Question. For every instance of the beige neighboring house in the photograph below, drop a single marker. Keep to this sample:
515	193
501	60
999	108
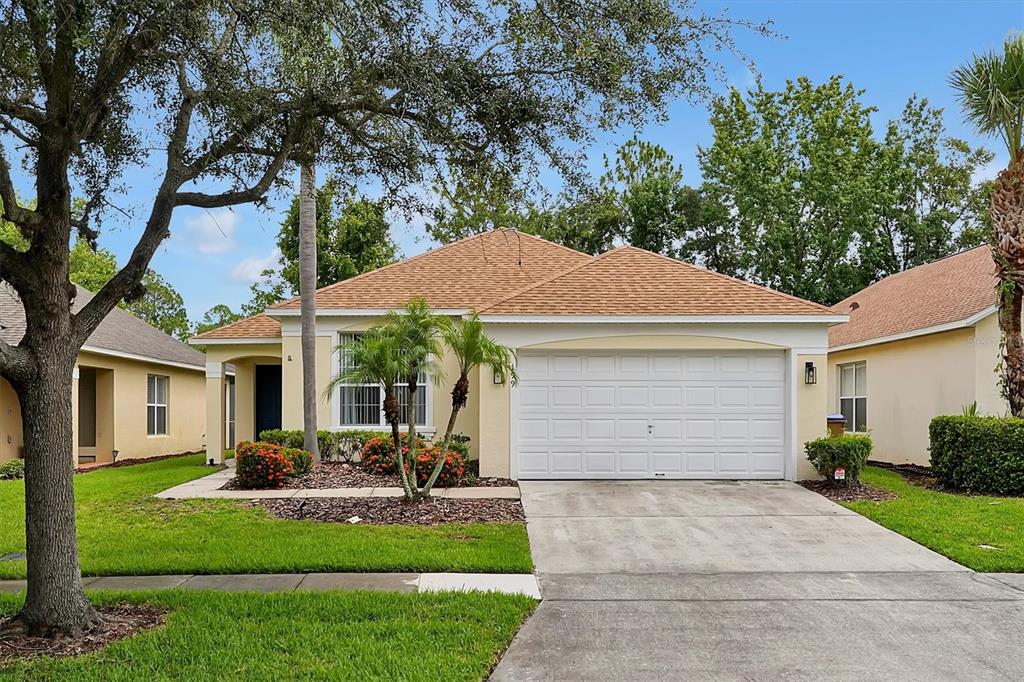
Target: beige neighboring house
631	364
137	392
920	343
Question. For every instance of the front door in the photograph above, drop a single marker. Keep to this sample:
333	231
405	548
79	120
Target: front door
267	391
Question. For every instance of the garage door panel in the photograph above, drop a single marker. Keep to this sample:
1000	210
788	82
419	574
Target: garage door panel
703	414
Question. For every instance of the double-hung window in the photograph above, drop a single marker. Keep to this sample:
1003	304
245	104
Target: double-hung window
363	404
853	395
156	405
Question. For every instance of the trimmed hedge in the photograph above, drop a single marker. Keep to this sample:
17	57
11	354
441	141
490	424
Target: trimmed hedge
847	451
261	465
12	470
980	454
340	446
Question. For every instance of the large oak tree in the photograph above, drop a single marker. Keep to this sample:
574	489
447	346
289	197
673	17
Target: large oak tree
196	94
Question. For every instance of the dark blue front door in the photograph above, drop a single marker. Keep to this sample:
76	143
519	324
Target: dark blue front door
267	391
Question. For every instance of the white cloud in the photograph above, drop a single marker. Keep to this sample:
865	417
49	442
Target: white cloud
213	232
250	269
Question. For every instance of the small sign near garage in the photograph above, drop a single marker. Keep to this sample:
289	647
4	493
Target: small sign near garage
840	474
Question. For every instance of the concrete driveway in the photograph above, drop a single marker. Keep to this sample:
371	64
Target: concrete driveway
747	581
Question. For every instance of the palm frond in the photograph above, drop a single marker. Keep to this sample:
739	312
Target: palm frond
990	89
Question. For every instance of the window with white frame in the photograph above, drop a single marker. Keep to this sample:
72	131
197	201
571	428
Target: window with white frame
853	395
156	405
363	404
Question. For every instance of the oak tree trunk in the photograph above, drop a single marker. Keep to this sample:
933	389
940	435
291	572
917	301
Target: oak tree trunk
307	293
55	603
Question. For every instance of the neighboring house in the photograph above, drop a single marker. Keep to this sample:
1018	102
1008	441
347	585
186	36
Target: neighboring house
136	391
920	343
631	364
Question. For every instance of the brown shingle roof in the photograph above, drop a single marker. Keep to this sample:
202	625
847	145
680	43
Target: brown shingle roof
470	273
631	281
941	292
256	327
119	332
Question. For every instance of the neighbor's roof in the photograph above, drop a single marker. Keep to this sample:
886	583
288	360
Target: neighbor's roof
945	291
632	281
119	333
256	327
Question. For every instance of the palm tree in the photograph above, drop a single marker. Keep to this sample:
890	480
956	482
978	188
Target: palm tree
472	348
990	88
418	329
307	294
376	357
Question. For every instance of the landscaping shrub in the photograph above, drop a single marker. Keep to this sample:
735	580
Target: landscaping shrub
342	446
980	454
847	451
13	469
379	457
301	460
261	465
451	472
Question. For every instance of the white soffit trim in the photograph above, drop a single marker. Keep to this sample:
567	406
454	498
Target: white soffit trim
141	358
923	331
667	319
235	341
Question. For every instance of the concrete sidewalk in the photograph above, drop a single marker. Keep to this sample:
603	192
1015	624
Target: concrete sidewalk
510	583
208	487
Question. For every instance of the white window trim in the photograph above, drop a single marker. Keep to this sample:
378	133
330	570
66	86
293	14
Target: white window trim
166	405
851	428
427	394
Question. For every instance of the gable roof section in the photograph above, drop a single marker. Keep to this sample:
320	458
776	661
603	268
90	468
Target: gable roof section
470	273
628	281
120	333
259	326
943	292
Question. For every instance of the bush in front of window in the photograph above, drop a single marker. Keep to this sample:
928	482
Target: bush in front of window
979	454
302	461
379	456
12	470
335	446
452	471
261	465
848	451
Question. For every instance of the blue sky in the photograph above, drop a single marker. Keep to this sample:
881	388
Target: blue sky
889	49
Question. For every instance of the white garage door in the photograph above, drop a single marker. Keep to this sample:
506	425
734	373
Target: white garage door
658	414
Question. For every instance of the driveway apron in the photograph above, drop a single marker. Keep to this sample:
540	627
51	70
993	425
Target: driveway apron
746	581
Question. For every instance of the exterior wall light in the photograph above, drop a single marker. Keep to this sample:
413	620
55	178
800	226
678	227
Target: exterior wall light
810	373
498	379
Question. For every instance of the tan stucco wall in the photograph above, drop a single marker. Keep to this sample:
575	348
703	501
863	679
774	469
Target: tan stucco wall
986	367
126	426
10	422
910	382
121	410
811	410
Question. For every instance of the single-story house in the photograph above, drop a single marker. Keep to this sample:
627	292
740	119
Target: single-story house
631	364
137	392
918	344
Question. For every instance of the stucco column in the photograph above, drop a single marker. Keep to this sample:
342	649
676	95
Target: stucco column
215	412
291	383
74	416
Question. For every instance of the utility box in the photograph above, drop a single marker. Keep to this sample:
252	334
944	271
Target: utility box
836	425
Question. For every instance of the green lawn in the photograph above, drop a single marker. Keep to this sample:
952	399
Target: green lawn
332	635
953	525
123	530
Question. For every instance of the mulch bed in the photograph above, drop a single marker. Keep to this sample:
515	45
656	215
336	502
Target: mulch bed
345	475
394	510
118	622
848	493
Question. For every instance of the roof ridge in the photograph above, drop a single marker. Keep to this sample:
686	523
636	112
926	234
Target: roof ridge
737	280
430	252
542	282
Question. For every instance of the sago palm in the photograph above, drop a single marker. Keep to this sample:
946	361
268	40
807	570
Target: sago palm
377	357
472	348
990	88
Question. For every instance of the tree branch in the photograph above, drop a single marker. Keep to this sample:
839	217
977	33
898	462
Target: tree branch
15	362
242	196
22	217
